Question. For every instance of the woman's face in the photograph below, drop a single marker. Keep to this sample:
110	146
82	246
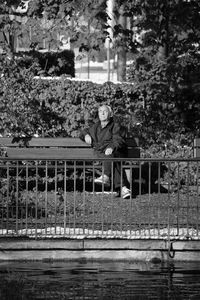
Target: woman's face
104	113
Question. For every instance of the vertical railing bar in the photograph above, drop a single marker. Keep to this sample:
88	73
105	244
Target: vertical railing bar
17	195
74	208
55	197
188	198
65	197
106	211
84	179
26	197
112	196
47	215
102	202
121	199
149	202
169	201
2	206
140	193
197	201
20	208
36	199
159	197
46	196
131	198
30	217
8	187
93	197
140	179
105	215
178	202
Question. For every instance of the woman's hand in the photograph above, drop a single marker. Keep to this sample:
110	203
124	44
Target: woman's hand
108	151
88	139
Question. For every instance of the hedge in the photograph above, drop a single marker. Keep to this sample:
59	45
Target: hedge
63	107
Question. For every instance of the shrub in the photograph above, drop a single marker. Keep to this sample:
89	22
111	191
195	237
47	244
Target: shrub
150	108
55	107
170	93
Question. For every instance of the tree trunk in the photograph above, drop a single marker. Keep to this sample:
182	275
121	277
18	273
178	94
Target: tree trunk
121	52
163	50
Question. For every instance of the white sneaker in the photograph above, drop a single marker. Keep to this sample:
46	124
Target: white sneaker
125	192
103	179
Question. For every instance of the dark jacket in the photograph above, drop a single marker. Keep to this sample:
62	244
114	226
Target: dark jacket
111	136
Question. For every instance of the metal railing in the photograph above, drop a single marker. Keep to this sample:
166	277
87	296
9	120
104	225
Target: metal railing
53	198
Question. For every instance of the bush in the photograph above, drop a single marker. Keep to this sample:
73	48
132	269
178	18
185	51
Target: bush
170	93
55	107
151	108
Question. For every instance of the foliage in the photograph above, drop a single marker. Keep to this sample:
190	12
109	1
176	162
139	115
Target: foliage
169	90
49	63
170	93
53	107
155	112
166	27
82	21
162	28
70	19
16	90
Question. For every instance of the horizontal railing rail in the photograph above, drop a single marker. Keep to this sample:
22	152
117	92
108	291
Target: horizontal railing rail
58	198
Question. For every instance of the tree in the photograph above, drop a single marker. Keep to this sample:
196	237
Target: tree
166	65
121	46
47	19
85	22
169	27
165	28
9	25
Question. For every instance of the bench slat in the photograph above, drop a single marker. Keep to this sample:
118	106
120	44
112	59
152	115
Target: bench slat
59	153
7	142
58	148
46	142
65	142
49	153
57	142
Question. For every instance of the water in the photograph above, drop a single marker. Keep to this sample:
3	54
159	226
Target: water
98	280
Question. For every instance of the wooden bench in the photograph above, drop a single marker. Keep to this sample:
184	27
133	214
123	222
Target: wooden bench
26	148
196	147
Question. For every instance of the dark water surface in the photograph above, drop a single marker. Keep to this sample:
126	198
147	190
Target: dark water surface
98	280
